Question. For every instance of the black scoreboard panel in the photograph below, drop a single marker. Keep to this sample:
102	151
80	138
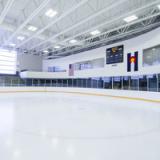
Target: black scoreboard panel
114	54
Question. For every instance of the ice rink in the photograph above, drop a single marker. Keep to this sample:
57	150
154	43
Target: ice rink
56	126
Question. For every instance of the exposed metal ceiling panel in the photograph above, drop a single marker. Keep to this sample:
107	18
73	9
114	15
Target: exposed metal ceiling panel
74	20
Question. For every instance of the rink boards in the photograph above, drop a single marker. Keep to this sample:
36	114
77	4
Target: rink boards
119	94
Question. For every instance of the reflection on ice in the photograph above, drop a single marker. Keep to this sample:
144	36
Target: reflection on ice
6	117
67	126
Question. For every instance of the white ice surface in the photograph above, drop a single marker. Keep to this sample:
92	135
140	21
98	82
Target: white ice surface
56	126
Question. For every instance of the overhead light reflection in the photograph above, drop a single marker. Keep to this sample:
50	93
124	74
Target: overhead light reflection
6	117
55	142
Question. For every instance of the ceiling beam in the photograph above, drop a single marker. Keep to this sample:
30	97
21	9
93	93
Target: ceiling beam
55	21
129	24
11	28
81	22
34	14
112	21
6	10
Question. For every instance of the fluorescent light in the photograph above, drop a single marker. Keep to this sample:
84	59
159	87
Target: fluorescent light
45	51
130	18
50	13
57	47
21	38
73	41
153	49
158	6
32	28
12	44
95	32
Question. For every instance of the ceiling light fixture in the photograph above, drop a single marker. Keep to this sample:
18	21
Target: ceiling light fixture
130	18
73	41
93	33
12	44
57	47
32	28
158	6
51	13
21	38
45	51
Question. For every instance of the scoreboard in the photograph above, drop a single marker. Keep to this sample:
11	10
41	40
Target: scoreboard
114	55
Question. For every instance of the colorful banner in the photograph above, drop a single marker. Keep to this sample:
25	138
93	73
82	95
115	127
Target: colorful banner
132	62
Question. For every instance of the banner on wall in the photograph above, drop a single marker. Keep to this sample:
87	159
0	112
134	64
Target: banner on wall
132	61
71	69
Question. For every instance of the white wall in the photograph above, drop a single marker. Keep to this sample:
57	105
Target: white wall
43	75
98	63
29	62
136	44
